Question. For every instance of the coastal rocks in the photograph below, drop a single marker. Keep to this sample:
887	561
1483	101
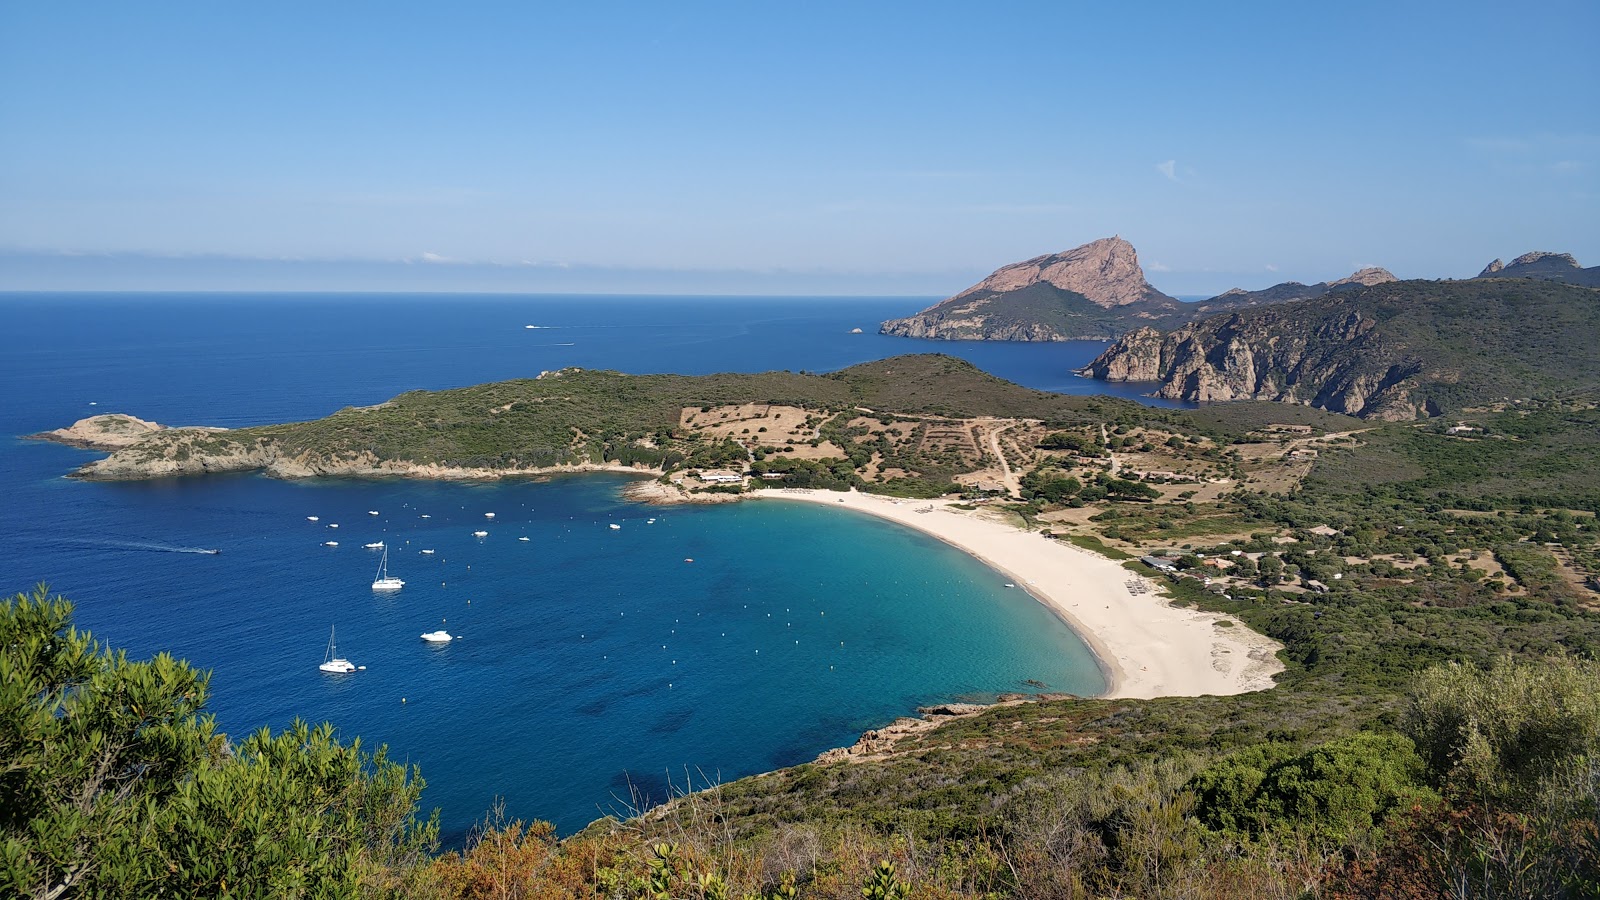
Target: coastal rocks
1494	266
1093	291
112	431
881	742
657	493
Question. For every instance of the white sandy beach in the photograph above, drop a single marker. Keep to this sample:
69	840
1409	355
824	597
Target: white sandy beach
1147	647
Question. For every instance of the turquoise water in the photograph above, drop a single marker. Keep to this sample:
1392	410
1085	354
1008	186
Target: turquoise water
593	665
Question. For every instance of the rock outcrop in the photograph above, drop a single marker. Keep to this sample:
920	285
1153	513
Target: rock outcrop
111	431
1092	292
1545	266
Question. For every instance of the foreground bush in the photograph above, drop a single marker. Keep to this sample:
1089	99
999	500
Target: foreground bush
115	784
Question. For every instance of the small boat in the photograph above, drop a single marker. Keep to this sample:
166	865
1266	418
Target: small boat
523	538
372	512
333	524
427	553
480	534
488	515
312	518
330	543
615	527
384	581
375	545
426	516
649	521
332	663
438	637
211	552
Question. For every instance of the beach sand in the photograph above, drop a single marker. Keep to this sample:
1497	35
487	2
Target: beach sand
1146	647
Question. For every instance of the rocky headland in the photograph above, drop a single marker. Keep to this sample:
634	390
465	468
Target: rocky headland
1092	292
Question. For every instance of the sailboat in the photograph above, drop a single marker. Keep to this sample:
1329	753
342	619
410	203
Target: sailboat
384	581
331	662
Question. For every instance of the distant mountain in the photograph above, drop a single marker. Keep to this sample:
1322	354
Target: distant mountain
1545	266
1396	350
1094	292
1239	298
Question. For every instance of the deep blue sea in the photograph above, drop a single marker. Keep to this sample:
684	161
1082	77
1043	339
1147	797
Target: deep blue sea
593	665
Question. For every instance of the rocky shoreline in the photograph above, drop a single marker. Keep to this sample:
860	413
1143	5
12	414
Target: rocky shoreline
881	743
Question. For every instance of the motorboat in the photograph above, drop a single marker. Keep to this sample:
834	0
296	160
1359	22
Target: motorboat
330	543
375	545
480	534
437	637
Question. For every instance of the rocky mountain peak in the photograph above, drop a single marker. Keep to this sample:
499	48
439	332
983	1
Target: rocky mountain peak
1369	276
1495	266
1106	272
1538	256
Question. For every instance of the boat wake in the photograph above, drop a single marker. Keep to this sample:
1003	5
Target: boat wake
147	547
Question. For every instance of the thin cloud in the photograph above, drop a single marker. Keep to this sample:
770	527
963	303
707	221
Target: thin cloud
1271	268
1158	267
1169	169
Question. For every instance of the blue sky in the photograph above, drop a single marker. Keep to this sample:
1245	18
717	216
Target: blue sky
784	148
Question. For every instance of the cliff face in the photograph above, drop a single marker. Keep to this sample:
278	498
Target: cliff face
1091	292
1391	351
1338	364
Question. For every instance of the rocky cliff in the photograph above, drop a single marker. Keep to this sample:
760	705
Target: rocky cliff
1091	292
1390	351
1546	266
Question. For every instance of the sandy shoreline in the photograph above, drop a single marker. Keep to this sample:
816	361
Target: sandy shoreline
1146	647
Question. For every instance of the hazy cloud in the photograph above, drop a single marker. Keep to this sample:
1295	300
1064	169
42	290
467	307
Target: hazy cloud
1271	267
1158	266
1169	169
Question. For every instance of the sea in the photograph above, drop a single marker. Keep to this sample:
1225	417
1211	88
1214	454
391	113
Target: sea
596	669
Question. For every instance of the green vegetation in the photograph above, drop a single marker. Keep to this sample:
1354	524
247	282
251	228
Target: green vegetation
115	784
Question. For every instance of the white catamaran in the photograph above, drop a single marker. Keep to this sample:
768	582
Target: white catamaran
332	663
384	581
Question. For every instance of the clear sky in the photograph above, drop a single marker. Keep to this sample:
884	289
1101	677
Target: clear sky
785	148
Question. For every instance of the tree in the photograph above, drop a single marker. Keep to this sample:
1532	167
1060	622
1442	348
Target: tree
115	783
